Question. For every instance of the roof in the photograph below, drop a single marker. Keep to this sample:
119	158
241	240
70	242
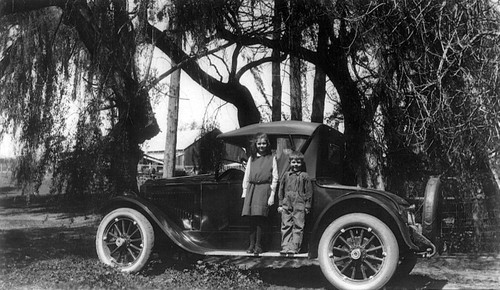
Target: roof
184	139
242	135
152	159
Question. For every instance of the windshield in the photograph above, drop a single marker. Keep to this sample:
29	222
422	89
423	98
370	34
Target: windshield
285	145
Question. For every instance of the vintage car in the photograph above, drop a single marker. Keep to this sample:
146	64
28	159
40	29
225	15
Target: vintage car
361	237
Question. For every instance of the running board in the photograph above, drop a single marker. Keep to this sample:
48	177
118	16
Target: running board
245	254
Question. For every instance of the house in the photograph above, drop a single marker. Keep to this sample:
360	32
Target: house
152	162
189	154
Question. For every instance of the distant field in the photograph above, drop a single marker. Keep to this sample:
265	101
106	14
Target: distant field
8	186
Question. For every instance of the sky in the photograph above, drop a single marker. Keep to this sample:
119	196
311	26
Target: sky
6	147
195	105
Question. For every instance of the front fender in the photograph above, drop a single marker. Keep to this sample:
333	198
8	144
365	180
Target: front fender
166	224
388	212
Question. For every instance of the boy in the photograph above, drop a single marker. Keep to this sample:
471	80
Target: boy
295	193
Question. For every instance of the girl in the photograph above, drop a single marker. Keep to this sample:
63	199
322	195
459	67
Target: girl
259	186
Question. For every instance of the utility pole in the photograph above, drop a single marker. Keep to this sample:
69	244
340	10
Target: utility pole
172	120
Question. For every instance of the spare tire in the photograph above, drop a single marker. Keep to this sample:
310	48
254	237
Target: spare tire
431	224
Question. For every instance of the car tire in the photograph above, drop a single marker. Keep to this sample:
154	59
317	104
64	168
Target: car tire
358	251
430	221
125	240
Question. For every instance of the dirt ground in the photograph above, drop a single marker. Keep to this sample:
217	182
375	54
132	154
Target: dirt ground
31	233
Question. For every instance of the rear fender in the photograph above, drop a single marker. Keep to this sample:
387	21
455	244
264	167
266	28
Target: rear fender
154	214
351	204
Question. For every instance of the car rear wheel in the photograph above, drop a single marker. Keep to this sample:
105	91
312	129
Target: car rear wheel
125	239
358	251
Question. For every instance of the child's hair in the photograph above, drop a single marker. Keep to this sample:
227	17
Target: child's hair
256	138
295	155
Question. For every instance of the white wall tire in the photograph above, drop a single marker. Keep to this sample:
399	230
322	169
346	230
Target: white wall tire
125	240
358	251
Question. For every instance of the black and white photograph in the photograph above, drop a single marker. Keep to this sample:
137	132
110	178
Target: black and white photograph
250	144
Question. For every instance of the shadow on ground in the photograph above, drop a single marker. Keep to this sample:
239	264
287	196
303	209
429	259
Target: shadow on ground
22	247
42	232
32	245
303	273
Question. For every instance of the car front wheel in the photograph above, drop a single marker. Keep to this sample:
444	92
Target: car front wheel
358	251
125	239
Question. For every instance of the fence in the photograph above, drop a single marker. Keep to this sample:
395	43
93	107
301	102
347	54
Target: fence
470	225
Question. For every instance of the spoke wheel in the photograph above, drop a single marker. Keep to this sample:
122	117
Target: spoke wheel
358	251
125	239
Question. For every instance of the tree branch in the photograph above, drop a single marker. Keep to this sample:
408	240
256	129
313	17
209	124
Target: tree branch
282	44
257	63
232	92
8	7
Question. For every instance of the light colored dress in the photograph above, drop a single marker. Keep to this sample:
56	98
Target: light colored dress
261	178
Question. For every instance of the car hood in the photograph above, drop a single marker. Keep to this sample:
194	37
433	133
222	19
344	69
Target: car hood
181	179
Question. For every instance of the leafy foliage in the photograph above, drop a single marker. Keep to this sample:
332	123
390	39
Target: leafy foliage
34	90
429	66
54	70
211	149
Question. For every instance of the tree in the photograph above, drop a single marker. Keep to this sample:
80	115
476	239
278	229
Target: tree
436	83
279	6
107	38
400	69
431	85
104	33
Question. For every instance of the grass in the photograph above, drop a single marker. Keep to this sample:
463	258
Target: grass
64	258
44	245
48	245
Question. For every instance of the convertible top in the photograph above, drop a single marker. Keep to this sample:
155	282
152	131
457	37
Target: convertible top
242	135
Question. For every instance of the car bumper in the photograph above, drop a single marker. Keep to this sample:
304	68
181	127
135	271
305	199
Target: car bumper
426	248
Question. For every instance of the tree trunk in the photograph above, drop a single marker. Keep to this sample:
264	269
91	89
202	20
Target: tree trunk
276	84
136	121
295	89
276	65
494	169
125	154
318	103
295	65
355	132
